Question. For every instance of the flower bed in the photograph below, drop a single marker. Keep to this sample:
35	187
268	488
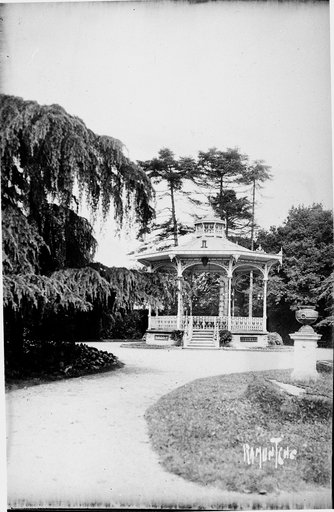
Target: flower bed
49	360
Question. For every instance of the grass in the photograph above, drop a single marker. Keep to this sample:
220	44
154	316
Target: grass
199	431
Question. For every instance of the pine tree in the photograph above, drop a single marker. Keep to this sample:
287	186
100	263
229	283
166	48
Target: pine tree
173	172
219	174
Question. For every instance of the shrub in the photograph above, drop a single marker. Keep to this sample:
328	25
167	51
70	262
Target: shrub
225	337
177	336
57	359
274	338
131	325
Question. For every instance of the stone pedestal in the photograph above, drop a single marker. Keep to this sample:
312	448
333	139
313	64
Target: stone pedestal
305	344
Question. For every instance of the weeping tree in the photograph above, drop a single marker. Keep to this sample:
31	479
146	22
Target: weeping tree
50	163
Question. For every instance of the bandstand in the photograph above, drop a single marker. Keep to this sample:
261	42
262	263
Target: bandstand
209	250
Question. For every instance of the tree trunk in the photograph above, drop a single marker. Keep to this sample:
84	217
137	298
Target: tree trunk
221	209
253	217
221	205
174	216
250	298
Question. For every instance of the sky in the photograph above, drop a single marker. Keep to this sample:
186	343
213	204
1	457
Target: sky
253	75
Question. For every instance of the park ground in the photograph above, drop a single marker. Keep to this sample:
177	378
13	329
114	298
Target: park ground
84	441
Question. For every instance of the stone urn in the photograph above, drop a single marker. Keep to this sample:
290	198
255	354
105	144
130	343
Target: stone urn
305	344
306	315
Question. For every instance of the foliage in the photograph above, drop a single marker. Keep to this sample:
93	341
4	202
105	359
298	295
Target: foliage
51	360
225	337
255	176
177	335
92	302
45	153
21	243
221	167
235	210
174	172
51	162
130	325
305	276
202	293
219	171
274	338
327	295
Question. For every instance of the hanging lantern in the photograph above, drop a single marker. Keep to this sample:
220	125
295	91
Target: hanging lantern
205	260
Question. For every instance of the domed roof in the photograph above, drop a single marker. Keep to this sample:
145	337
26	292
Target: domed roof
209	240
209	219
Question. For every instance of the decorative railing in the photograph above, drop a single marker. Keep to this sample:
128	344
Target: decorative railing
238	323
209	322
244	323
161	323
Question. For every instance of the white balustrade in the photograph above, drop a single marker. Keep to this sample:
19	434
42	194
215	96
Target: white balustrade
209	322
161	323
244	323
238	323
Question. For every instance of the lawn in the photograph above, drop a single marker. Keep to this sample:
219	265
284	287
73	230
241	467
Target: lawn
208	431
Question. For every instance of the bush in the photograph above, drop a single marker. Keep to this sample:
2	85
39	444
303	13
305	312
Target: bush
225	337
177	336
274	338
51	359
131	325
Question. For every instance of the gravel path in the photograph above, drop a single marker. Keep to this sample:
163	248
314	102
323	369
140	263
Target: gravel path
84	440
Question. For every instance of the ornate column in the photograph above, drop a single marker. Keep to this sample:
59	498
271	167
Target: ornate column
150	270
250	295
264	307
229	290
223	307
264	313
149	316
179	295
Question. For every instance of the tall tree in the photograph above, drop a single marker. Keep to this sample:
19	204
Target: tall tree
50	161
46	153
235	210
305	276
255	175
218	171
174	172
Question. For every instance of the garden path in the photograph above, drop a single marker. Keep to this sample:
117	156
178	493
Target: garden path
84	440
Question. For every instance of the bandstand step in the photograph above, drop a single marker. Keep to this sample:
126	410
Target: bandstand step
202	339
